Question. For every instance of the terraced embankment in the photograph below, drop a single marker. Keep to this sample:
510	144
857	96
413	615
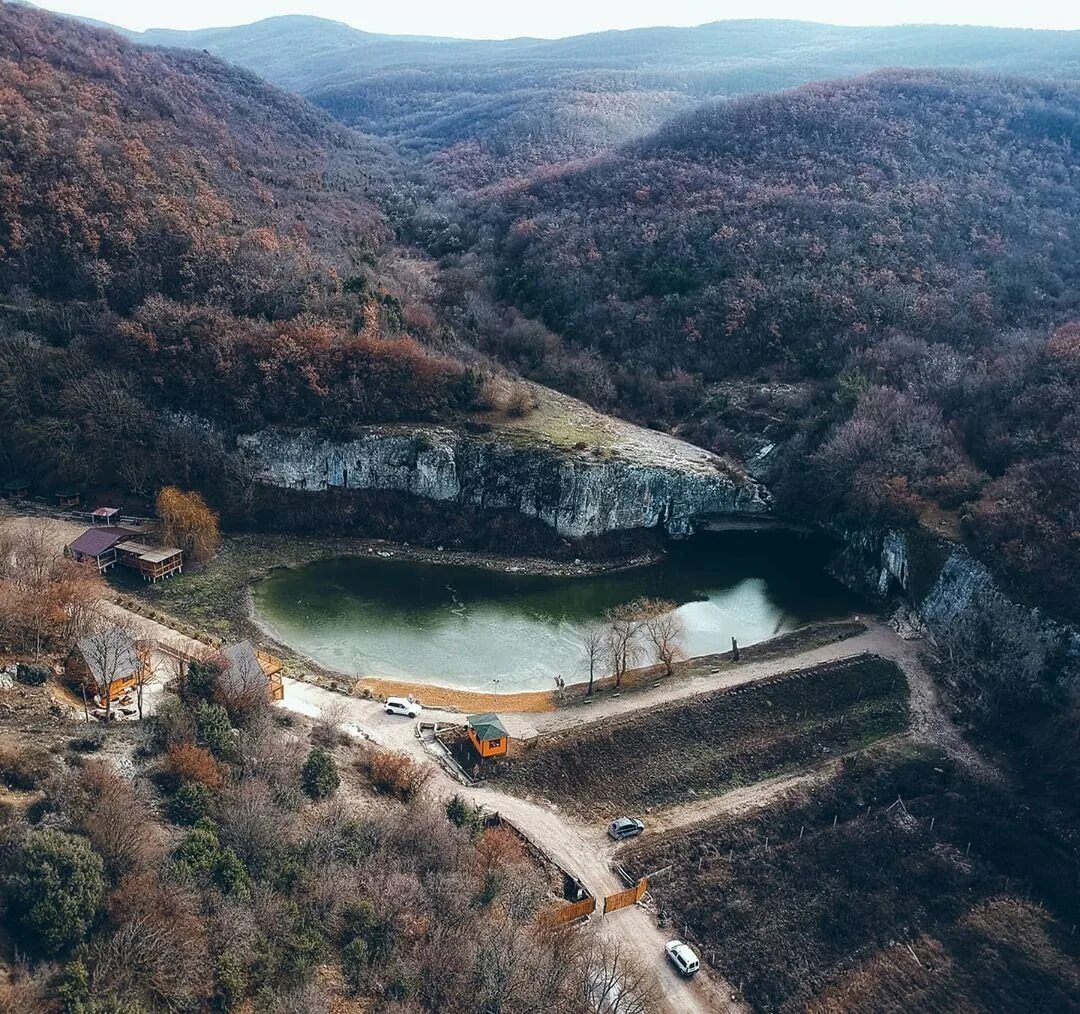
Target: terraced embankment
704	745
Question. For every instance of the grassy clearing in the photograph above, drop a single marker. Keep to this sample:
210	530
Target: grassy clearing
214	598
813	903
714	742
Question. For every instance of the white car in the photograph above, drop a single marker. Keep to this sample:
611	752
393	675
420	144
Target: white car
402	706
682	957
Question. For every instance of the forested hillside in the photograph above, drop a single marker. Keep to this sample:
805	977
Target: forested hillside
873	249
177	236
488	110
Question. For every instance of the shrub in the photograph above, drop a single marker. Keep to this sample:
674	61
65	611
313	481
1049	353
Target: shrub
201	856
191	803
230	981
319	774
189	762
214	730
393	773
202	681
53	891
457	810
354	965
89	742
31	675
107	808
170	725
23	768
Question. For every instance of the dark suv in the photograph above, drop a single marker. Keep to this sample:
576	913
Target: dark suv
625	827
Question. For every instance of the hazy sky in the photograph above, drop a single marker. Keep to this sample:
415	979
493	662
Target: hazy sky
553	18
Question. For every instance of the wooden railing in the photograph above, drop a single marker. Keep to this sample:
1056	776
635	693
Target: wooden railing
270	663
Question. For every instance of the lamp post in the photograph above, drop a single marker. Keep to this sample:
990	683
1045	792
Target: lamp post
496	682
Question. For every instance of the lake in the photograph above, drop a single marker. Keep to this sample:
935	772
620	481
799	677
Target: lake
487	630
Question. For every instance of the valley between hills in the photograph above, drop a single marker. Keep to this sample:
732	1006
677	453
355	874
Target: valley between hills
418	454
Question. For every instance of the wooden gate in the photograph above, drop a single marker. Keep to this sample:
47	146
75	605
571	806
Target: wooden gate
568	913
631	896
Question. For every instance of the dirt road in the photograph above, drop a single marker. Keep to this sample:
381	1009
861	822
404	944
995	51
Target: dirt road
878	640
583	848
580	848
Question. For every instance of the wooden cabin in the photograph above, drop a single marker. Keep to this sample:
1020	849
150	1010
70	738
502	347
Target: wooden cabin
246	669
154	562
104	546
69	498
488	735
96	547
16	489
110	662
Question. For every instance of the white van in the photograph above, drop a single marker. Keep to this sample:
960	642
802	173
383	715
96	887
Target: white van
402	706
682	957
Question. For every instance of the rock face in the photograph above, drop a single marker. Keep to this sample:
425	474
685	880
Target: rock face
574	492
953	594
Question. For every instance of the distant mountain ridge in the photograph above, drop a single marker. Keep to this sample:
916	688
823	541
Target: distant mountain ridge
481	111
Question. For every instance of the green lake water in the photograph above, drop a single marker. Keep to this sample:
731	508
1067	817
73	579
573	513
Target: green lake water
468	627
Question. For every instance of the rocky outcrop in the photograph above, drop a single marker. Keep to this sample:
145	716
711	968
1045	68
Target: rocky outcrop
953	594
577	493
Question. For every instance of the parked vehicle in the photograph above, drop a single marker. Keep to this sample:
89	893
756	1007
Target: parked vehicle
402	706
682	956
625	827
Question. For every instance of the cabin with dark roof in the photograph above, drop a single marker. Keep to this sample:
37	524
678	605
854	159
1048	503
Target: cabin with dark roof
246	669
110	663
96	547
104	546
16	489
488	735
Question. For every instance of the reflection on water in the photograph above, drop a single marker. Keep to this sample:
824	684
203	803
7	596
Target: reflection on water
467	627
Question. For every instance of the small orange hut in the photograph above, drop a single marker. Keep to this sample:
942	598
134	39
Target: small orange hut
488	735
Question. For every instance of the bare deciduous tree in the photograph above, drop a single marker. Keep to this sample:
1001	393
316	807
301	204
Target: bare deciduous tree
611	981
623	647
111	653
664	630
592	651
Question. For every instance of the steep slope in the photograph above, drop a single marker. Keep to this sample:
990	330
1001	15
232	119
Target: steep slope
869	247
189	256
178	237
487	110
786	226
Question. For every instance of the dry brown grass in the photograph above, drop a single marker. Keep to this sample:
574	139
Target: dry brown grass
22	767
1000	955
432	696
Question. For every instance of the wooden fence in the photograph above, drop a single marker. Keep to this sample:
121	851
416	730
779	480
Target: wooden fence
569	912
631	896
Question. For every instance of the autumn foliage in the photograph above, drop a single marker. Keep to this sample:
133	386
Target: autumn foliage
180	240
188	523
47	602
189	762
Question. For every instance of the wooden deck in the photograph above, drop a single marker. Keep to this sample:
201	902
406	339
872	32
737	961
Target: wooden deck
272	666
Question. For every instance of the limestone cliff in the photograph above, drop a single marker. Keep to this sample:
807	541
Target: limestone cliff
645	481
952	593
